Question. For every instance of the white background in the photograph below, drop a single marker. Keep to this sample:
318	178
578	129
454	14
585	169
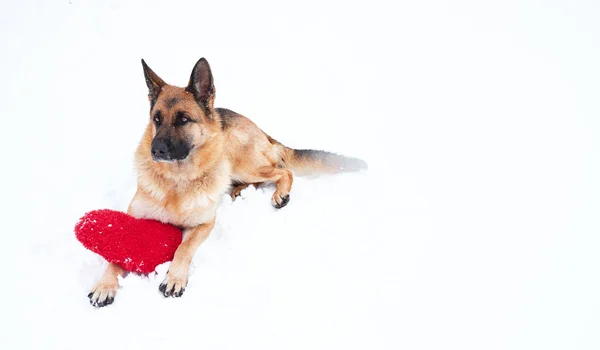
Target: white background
475	227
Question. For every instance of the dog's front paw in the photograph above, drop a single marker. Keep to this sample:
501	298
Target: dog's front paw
174	284
103	293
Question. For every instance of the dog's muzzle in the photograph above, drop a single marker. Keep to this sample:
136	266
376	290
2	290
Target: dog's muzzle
165	150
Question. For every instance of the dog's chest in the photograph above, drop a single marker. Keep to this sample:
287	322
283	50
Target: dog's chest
177	208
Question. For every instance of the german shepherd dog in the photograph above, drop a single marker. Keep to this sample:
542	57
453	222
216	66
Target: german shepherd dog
190	155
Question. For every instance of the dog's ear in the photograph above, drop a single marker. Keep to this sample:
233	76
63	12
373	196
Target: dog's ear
154	82
201	83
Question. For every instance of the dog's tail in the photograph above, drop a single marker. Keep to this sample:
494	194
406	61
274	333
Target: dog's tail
310	161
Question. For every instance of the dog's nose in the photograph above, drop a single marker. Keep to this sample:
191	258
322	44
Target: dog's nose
161	148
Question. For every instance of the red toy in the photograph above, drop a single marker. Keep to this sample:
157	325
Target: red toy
137	245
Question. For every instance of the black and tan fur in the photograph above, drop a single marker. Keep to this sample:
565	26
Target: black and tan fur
190	155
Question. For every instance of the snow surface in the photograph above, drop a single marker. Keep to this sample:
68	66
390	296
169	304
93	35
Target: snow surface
476	226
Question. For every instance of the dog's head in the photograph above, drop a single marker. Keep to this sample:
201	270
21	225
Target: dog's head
183	119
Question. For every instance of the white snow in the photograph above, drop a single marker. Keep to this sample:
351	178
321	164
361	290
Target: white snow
476	226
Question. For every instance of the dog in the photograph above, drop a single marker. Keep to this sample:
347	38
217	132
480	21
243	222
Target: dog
192	153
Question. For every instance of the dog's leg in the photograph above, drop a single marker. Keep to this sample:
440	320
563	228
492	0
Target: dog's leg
177	276
282	178
103	293
237	190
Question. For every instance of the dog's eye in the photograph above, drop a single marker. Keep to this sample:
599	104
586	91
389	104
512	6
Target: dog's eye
181	119
157	118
